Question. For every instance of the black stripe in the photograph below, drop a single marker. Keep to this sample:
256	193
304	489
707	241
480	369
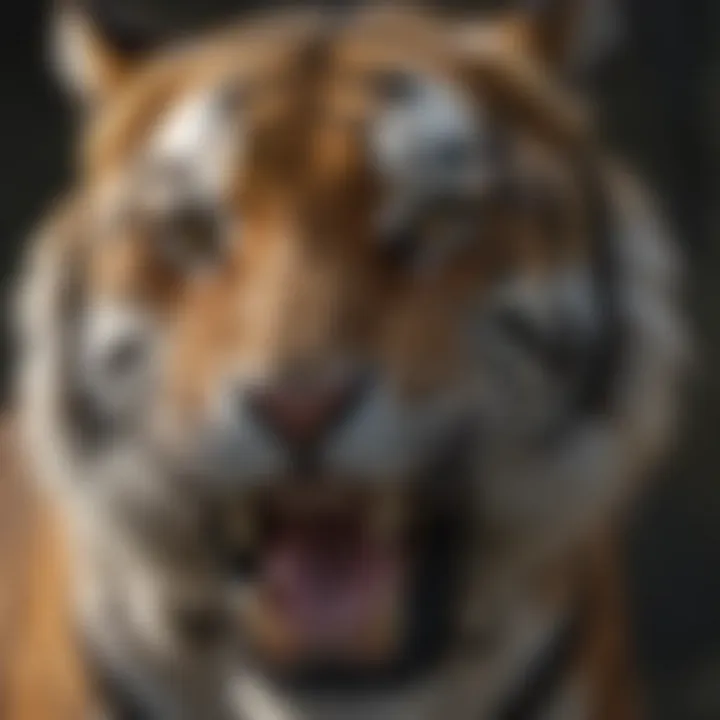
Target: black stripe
117	699
545	675
596	390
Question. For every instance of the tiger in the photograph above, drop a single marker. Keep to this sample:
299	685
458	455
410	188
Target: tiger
343	358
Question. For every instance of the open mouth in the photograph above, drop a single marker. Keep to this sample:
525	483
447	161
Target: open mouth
345	586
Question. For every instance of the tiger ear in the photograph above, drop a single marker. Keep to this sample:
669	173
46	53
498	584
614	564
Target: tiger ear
566	36
90	64
550	29
501	61
570	35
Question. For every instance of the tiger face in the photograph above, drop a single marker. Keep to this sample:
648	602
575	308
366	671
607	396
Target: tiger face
313	243
329	275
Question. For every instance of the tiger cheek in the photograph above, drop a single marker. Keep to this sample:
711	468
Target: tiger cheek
200	342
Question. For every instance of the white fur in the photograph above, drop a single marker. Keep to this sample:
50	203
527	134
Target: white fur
201	136
408	141
108	328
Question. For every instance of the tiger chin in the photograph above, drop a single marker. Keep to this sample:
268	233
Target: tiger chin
342	358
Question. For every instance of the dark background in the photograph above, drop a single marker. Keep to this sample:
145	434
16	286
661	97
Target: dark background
659	109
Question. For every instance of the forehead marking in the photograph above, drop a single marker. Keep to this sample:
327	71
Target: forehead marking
430	140
427	145
201	137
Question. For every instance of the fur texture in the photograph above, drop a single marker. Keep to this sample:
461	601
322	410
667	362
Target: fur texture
307	156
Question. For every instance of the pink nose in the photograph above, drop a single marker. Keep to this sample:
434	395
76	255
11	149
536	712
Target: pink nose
303	415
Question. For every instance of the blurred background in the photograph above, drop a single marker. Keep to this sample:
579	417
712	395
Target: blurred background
654	68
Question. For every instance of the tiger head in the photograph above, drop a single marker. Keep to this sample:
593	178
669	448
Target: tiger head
336	274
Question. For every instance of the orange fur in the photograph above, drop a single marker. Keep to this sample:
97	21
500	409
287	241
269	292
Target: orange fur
42	676
302	282
304	272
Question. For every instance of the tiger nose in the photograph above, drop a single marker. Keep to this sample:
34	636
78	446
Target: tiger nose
302	414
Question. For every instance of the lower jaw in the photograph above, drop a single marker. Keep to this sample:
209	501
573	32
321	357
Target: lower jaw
413	663
415	700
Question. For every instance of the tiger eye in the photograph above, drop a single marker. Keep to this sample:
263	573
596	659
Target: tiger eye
397	86
193	236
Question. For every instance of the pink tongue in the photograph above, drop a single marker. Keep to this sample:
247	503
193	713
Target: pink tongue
328	576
